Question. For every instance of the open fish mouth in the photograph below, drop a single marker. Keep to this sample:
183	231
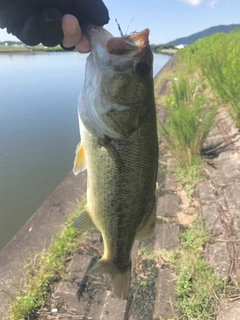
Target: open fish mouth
105	45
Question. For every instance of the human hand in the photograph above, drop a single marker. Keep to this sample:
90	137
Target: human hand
45	21
73	34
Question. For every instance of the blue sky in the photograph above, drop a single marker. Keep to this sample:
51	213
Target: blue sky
167	19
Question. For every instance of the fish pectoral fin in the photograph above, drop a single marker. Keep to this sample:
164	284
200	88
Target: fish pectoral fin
121	278
80	163
84	221
147	227
112	151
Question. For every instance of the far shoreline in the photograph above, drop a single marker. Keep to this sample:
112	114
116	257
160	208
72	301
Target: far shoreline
31	51
169	51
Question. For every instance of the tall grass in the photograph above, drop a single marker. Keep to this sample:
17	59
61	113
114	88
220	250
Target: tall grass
190	118
218	58
223	74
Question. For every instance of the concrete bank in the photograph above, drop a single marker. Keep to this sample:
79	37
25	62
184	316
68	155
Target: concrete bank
36	235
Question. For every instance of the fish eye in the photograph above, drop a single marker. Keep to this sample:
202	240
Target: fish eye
142	69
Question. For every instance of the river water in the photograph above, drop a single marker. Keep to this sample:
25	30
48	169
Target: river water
38	129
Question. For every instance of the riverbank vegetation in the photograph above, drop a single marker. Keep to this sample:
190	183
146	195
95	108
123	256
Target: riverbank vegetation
205	77
218	60
161	47
190	118
44	270
15	46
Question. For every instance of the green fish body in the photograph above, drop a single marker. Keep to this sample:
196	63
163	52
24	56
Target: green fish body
119	148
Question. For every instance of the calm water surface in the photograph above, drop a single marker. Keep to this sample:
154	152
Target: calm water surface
38	129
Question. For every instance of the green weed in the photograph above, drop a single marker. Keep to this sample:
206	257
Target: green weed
190	118
46	268
197	284
143	283
222	72
168	257
218	59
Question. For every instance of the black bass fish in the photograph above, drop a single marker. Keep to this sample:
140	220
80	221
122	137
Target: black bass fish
119	148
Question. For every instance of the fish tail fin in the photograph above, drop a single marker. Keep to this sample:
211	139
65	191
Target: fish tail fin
121	278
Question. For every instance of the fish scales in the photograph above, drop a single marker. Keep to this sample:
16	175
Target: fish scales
129	191
122	168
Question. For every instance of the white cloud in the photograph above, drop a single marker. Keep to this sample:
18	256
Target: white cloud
196	3
212	3
193	2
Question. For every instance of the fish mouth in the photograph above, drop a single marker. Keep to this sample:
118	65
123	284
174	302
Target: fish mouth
104	43
122	45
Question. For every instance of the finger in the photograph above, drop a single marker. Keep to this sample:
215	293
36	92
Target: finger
83	46
71	29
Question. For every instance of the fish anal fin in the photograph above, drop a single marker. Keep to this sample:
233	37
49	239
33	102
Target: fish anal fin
84	221
147	228
80	160
121	278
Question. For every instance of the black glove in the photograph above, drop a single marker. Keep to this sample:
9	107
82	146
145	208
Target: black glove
39	21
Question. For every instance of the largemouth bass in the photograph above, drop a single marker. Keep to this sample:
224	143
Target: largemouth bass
119	148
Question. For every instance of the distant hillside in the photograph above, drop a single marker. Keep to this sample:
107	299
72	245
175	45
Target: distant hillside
202	34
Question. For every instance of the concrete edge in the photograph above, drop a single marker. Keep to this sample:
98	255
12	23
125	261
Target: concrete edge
36	235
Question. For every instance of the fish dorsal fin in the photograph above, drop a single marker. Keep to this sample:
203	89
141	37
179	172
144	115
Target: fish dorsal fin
84	222
80	163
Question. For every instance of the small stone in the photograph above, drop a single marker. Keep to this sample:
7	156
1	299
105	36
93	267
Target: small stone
166	236
108	307
206	191
219	258
168	205
230	312
212	219
228	164
233	199
166	294
171	181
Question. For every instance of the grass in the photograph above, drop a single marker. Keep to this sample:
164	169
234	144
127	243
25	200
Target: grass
197	284
168	257
190	118
218	59
4	48
198	288
223	76
43	271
